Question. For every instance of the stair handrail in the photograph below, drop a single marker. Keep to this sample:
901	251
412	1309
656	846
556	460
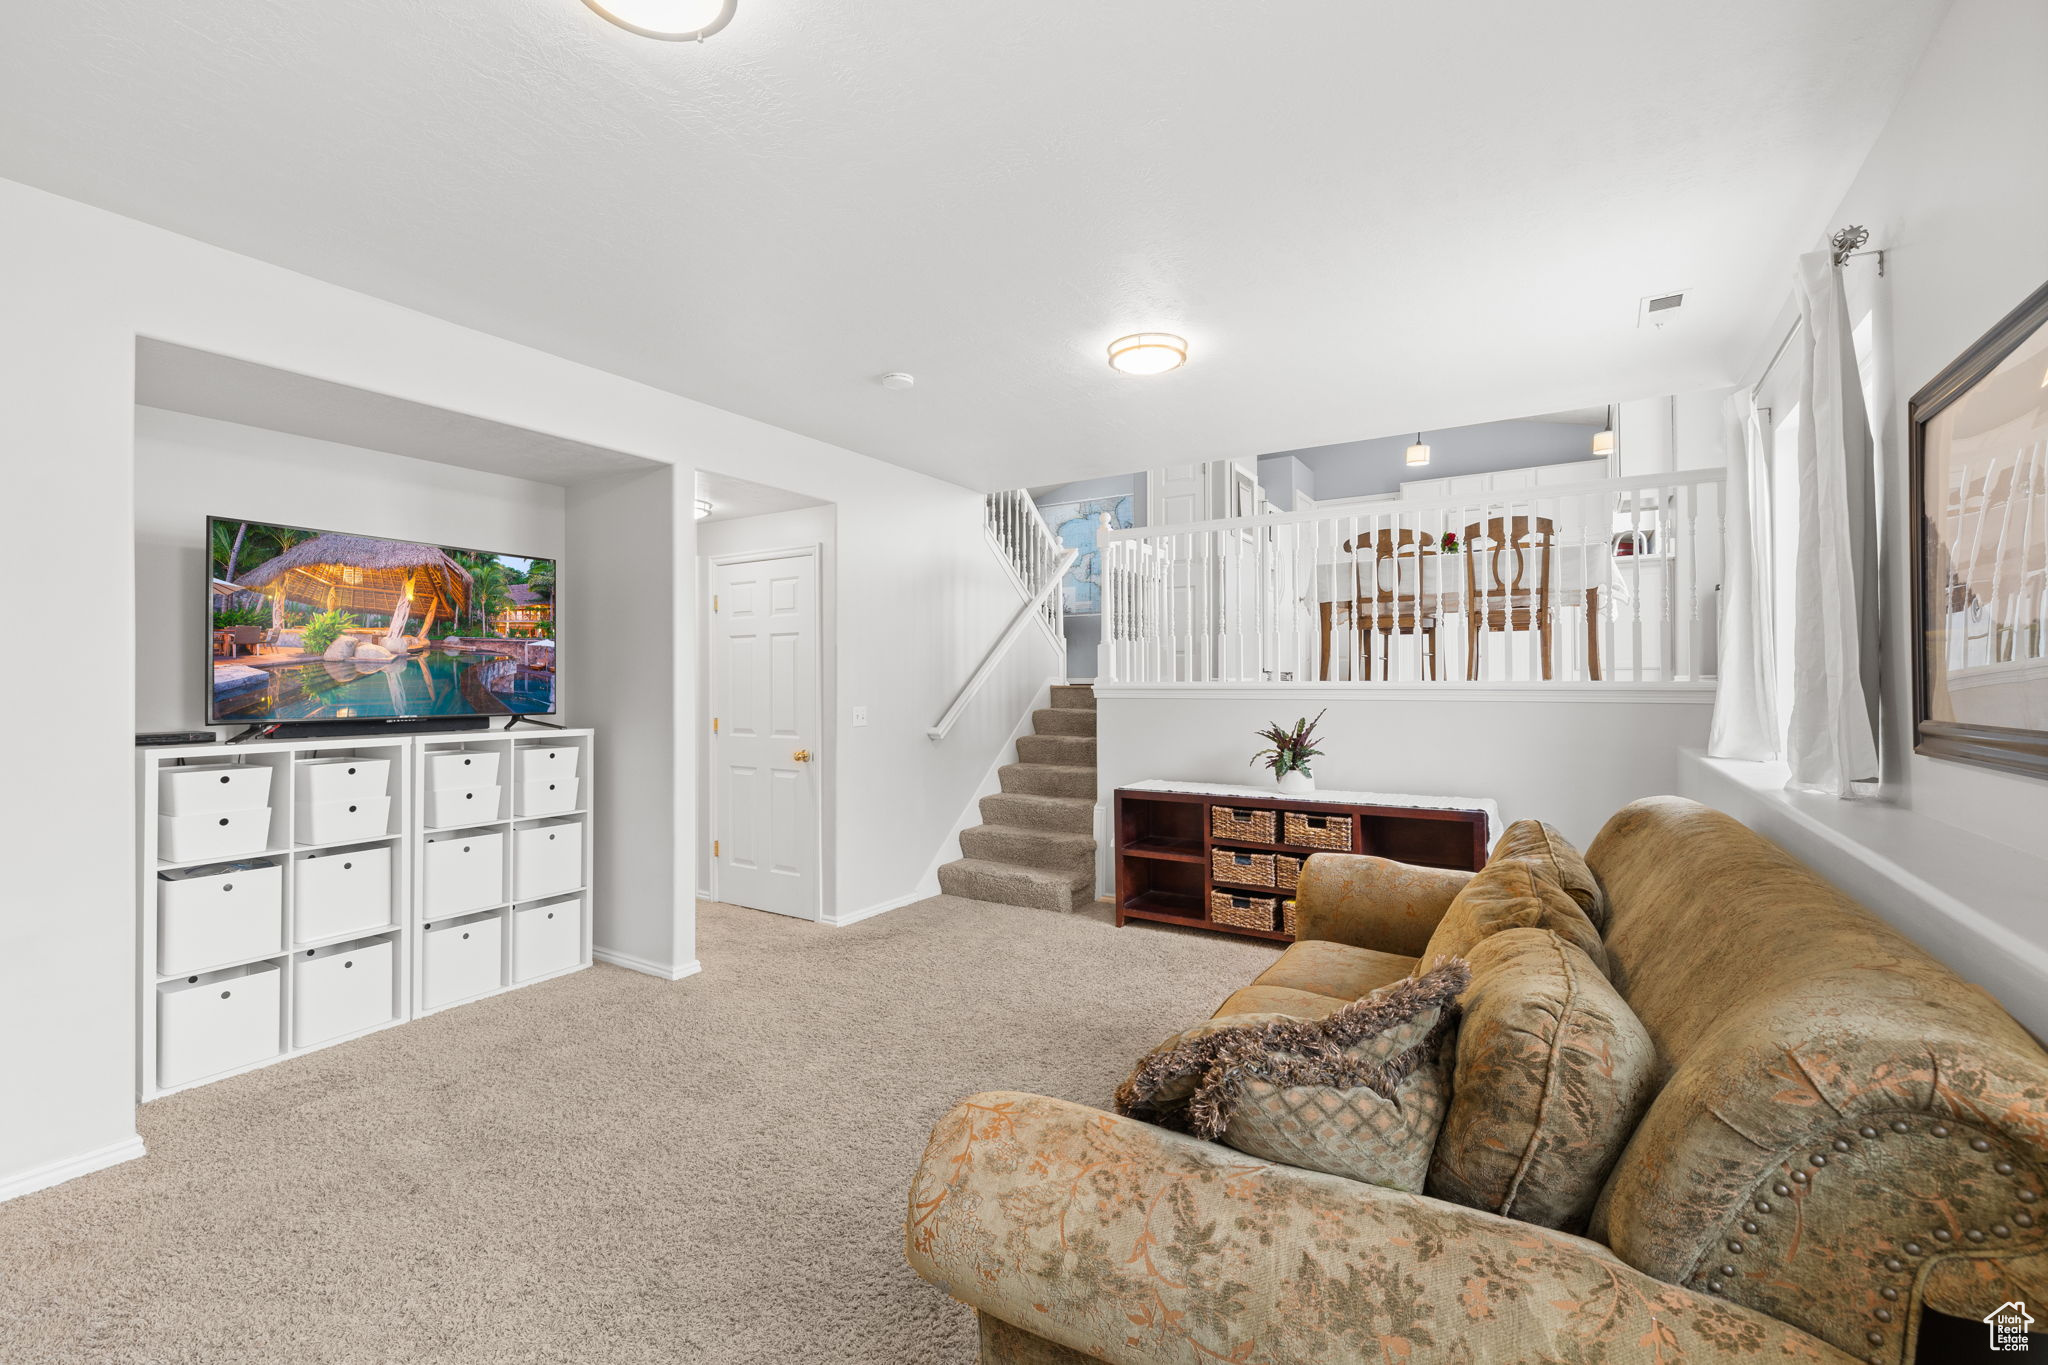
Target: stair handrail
1018	533
1031	608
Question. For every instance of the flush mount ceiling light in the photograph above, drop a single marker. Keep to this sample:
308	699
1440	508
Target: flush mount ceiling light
1603	440
1418	453
1147	353
673	21
703	508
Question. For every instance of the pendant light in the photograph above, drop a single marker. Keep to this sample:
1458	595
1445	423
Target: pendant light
1604	439
1418	453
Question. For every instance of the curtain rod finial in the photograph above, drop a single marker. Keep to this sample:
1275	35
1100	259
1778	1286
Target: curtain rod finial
1847	241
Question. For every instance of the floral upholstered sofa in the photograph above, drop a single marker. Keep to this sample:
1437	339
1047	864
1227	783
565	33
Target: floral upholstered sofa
1843	1134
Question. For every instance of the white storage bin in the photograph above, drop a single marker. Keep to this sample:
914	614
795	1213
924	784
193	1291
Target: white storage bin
546	938
201	787
550	761
340	990
212	835
344	891
331	822
461	806
462	872
222	1021
547	859
548	796
213	916
325	781
458	769
460	959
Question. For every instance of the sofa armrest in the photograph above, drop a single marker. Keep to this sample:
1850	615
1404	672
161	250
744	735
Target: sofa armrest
1133	1244
1374	902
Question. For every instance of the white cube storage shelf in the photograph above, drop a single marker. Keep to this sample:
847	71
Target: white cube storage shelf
363	855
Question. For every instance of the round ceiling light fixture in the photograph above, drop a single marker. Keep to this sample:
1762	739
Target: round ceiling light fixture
672	21
1147	353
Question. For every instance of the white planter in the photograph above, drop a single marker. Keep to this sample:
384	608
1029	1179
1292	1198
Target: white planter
323	781
201	787
340	990
461	959
546	938
457	769
1296	783
343	892
548	796
333	822
461	806
223	1021
213	836
206	921
550	761
547	859
461	873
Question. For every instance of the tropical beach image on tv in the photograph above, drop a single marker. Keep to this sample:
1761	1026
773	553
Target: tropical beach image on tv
312	625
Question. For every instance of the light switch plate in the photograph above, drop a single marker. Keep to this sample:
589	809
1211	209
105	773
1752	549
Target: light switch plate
860	715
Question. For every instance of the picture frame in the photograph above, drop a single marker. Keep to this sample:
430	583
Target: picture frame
1977	469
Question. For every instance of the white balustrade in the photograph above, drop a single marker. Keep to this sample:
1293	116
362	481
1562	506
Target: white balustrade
1611	581
1027	546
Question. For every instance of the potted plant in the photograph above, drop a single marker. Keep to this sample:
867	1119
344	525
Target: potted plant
1290	753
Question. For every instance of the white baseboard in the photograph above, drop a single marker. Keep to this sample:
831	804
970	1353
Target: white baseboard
70	1168
856	916
645	967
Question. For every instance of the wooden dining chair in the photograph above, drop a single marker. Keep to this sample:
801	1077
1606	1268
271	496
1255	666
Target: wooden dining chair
1509	563
1384	606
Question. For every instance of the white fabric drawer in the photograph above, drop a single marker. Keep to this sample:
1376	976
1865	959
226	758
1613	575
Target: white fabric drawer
461	959
455	769
550	761
206	920
461	806
548	796
341	989
212	835
462	872
201	787
322	781
547	859
340	892
546	938
331	822
222	1021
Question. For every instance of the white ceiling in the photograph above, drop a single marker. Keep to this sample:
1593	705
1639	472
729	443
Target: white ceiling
732	498
1366	216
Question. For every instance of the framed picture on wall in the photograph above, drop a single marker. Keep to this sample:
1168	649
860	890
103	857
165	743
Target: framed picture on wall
1979	474
1077	524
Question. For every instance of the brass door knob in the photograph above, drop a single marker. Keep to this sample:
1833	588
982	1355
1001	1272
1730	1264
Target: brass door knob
802	755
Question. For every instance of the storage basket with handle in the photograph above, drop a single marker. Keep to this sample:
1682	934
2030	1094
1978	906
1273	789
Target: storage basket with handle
1233	822
1242	911
1241	867
1286	871
1318	831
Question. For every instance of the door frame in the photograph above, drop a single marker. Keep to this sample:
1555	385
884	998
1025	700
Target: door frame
814	551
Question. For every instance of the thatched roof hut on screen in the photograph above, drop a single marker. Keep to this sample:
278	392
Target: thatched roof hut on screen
360	574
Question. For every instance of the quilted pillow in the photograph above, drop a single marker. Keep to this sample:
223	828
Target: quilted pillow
1359	1094
1542	845
1553	1072
1510	893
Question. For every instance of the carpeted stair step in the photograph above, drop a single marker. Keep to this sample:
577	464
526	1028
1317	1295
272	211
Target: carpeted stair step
1040	848
1048	779
1006	884
1072	750
1071	814
1073	696
1059	720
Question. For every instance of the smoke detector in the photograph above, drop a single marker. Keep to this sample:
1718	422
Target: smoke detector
1658	310
897	380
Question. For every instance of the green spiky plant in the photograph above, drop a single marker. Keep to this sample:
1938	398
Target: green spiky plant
1291	749
324	629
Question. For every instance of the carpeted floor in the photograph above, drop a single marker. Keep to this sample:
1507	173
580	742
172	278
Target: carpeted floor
605	1168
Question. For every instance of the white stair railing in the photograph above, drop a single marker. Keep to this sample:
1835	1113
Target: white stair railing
1033	608
1611	580
1027	547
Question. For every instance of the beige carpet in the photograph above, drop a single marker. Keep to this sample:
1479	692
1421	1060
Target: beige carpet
606	1168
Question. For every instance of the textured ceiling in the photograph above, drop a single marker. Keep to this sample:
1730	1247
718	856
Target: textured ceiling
1367	217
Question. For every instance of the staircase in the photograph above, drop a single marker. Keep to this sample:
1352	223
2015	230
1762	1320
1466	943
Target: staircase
1036	846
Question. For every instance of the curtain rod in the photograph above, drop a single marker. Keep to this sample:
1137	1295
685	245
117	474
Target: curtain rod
1844	243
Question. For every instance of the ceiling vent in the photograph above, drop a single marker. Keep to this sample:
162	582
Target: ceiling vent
1657	310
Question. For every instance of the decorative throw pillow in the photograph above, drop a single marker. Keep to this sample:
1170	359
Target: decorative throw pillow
1542	845
1553	1073
1359	1094
1509	893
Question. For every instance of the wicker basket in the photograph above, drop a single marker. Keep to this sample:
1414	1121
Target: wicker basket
1290	918
1318	831
1230	822
1286	871
1241	868
1241	911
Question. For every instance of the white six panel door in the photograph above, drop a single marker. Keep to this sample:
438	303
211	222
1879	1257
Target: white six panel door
764	696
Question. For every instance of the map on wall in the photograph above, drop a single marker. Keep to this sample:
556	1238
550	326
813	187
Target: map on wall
1075	524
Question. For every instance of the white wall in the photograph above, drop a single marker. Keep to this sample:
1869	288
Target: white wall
187	467
921	599
1570	754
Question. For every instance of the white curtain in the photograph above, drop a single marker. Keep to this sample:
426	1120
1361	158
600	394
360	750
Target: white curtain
1746	702
1831	745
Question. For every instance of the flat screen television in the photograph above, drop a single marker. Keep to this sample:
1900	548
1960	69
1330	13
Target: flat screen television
325	626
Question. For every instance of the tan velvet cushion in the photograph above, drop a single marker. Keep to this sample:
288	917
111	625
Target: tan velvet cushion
1279	1000
1552	1075
1336	969
1511	894
1542	845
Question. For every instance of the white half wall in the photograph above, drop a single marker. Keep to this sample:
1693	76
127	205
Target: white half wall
1568	753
